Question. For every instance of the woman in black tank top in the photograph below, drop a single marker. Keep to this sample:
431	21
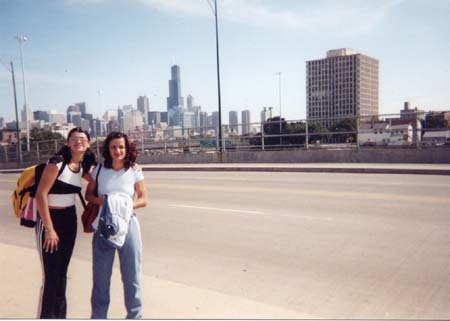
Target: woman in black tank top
56	226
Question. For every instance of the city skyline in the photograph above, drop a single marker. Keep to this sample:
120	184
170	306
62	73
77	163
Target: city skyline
90	50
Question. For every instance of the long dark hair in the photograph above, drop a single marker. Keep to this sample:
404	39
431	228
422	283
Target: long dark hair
131	153
88	156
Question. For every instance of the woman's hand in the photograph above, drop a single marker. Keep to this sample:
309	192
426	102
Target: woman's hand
101	199
51	241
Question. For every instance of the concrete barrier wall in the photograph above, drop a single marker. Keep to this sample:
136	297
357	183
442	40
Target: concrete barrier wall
354	155
439	155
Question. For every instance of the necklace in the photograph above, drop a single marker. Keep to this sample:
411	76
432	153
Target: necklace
75	170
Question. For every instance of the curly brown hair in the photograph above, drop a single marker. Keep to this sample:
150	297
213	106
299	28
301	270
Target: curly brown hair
131	154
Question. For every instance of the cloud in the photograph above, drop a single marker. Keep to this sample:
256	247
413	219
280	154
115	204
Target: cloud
189	7
351	16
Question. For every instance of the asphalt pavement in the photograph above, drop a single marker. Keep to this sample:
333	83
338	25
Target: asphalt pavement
164	299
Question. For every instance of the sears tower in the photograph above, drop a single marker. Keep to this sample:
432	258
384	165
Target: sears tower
175	100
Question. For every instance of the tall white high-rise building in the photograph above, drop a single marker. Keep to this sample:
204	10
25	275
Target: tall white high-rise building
344	84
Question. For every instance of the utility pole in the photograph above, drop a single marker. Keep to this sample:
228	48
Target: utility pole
22	39
19	149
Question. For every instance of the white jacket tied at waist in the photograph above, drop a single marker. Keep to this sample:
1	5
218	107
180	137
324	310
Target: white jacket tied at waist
120	206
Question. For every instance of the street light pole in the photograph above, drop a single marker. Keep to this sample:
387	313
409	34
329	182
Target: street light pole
218	79
19	149
22	39
279	100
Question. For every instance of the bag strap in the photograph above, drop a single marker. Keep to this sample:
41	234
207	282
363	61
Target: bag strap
83	202
96	180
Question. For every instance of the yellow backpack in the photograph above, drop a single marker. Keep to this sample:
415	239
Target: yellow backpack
27	185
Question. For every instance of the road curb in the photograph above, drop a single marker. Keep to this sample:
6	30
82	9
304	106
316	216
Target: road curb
301	170
344	170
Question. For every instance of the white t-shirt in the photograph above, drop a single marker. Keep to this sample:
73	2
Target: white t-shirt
122	181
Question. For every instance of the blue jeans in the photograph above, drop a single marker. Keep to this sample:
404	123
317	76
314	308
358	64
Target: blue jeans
130	268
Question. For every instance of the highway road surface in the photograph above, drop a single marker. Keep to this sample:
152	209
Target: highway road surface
274	245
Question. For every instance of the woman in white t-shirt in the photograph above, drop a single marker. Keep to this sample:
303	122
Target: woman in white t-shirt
119	174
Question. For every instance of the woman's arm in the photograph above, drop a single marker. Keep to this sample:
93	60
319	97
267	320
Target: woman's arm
141	192
48	178
90	193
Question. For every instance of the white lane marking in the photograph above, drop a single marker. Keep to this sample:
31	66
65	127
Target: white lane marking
304	181
305	217
216	209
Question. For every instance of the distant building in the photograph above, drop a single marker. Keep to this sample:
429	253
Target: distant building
110	114
82	108
265	114
175	100
2	122
393	132
58	118
215	120
11	125
189	102
407	113
90	121
9	136
188	120
26	114
203	121
99	128
132	120
245	119
442	117
143	106
154	118
164	117
120	120
233	121
344	84
75	118
41	115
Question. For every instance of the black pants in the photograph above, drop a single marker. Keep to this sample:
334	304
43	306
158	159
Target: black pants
53	303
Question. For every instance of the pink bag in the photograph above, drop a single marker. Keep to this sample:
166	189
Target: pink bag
29	213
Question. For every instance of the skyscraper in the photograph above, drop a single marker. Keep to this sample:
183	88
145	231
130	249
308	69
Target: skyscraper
245	122
215	120
143	106
81	108
233	121
175	100
344	84
189	102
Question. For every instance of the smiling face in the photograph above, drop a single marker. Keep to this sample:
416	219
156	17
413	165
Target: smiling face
118	149
78	142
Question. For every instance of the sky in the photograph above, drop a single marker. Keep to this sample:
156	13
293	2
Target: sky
109	52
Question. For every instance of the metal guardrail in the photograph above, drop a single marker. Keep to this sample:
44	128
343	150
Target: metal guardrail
371	131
